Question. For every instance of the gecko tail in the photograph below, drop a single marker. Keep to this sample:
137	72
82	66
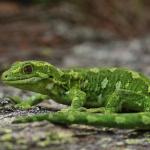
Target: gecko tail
139	120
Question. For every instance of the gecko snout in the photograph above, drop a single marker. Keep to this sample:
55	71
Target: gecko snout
4	76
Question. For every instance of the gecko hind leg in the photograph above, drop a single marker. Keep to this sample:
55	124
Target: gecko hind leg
124	99
112	104
132	101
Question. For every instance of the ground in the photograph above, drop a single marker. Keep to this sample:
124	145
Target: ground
46	34
44	135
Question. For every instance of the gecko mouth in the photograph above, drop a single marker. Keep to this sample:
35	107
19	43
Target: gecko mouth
22	81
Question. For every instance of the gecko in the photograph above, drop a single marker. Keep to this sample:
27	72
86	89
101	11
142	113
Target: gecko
99	96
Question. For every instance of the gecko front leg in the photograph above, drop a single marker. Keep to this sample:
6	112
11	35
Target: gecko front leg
29	102
78	99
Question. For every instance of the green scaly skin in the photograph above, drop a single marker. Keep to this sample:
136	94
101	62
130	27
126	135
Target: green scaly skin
120	96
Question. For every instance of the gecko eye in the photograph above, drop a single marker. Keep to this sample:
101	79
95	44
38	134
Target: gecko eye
50	76
28	69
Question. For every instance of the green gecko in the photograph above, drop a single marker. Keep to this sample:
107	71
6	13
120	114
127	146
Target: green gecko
109	97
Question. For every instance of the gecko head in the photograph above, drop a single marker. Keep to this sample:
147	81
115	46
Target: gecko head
26	74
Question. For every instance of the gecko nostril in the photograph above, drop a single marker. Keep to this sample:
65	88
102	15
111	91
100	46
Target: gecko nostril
6	76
